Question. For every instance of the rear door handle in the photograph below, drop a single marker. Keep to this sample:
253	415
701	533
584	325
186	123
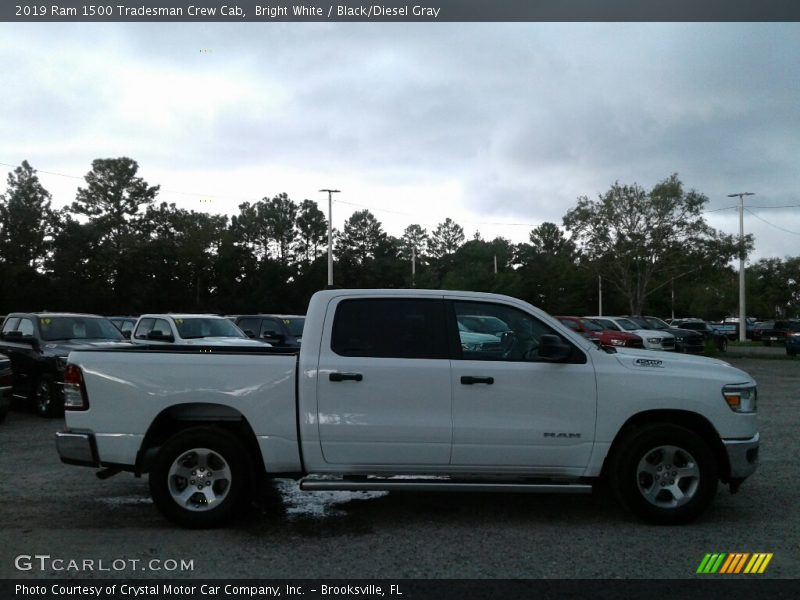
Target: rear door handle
345	377
470	380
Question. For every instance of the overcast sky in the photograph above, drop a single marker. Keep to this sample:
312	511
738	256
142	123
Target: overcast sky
483	123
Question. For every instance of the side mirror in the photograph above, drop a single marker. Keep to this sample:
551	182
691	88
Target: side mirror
277	338
127	334
552	348
249	333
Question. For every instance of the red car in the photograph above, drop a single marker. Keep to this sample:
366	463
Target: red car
606	337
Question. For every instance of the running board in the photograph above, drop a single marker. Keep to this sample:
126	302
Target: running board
432	485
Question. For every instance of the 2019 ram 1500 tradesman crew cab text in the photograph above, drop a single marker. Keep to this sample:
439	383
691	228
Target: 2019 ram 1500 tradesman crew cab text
384	394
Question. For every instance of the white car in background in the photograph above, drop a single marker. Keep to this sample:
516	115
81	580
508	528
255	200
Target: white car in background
651	338
190	330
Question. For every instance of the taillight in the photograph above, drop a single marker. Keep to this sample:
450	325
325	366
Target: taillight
75	389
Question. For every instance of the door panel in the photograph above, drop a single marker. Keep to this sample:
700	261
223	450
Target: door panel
398	412
514	408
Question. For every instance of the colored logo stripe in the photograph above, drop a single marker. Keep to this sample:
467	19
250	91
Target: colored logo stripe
758	564
733	563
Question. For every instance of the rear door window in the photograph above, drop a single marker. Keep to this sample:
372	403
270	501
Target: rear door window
390	328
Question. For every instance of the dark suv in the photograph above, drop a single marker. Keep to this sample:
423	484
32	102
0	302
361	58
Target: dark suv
283	331
781	332
38	345
691	342
705	329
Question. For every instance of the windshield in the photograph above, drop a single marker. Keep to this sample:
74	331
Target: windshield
203	327
628	324
78	328
294	325
591	326
605	324
656	323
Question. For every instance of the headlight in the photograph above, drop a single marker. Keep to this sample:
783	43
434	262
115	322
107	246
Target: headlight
679	339
617	342
740	398
654	340
470	347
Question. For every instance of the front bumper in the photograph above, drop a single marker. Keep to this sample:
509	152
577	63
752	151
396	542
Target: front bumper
77	448
742	456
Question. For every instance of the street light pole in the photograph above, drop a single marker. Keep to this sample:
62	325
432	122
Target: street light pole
742	311
330	234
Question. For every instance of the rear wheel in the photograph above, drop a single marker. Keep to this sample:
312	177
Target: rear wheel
200	477
664	473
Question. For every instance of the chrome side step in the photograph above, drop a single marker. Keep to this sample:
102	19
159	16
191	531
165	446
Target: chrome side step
435	485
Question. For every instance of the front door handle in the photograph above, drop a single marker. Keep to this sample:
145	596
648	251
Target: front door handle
470	380
345	377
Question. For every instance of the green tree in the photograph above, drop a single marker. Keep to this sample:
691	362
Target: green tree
641	241
112	196
312	227
360	239
112	200
26	220
446	239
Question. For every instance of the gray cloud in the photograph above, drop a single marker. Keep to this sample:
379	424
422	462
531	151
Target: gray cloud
523	117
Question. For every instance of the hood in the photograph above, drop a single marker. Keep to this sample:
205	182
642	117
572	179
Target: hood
654	360
64	347
223	341
651	333
678	332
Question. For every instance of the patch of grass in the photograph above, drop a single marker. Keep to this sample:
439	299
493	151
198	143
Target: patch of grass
747	344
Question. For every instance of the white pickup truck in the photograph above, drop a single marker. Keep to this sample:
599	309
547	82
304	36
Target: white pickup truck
386	394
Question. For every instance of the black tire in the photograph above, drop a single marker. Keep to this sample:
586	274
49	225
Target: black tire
223	471
646	473
45	398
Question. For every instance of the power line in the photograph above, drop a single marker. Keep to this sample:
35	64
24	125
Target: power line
771	224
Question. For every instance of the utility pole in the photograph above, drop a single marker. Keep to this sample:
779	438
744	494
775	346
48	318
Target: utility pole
742	311
330	235
599	296
413	266
672	296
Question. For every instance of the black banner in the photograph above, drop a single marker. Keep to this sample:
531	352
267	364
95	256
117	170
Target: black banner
707	587
400	11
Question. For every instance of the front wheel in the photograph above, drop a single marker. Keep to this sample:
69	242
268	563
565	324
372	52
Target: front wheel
45	399
200	477
664	473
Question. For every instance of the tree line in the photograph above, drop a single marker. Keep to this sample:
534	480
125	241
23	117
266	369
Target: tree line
117	250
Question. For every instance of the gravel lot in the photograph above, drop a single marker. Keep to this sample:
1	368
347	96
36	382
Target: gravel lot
67	513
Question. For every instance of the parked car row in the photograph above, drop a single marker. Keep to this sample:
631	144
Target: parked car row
631	332
784	332
35	346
